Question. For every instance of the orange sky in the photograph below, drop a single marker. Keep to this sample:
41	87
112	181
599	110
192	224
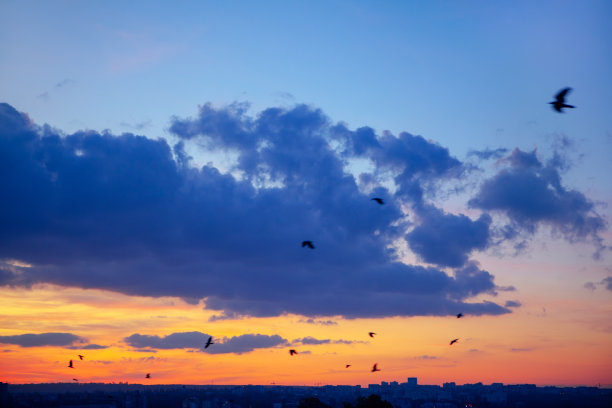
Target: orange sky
551	339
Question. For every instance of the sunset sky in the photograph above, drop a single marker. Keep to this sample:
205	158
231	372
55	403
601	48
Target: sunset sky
161	164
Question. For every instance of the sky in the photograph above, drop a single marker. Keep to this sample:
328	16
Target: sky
161	165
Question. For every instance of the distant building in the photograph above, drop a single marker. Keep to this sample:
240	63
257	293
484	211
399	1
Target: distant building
4	394
412	381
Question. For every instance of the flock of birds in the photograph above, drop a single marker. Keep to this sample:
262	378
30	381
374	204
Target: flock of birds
558	104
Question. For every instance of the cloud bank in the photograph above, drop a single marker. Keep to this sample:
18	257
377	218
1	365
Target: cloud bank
197	340
530	194
134	215
43	339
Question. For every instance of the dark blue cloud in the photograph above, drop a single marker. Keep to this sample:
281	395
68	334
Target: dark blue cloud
196	340
43	339
524	160
131	214
512	303
531	194
607	282
413	161
447	239
246	343
93	347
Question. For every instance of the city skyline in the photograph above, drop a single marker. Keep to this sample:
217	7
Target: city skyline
192	192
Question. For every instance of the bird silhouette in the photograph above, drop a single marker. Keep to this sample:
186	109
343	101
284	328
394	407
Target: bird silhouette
70	364
372	334
375	367
81	357
148	375
292	352
308	244
459	315
379	200
559	103
453	341
208	343
347	366
74	379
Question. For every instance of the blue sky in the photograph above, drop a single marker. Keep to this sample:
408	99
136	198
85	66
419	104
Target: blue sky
465	75
451	71
305	111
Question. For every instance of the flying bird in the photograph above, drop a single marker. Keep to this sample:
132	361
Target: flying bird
559	103
292	352
347	366
375	368
148	375
208	343
81	357
459	315
453	341
379	200
372	334
308	244
74	379
70	364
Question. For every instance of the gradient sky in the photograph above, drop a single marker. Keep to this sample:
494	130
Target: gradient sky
161	164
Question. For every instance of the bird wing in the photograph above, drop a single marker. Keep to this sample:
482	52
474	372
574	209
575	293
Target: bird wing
562	94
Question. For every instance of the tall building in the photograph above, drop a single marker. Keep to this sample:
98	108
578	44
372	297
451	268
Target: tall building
412	381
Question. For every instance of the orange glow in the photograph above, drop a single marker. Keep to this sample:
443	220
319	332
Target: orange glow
561	345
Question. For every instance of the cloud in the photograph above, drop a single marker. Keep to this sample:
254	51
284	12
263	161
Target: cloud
519	350
225	316
43	339
413	162
425	357
56	88
88	347
311	340
488	153
512	303
246	343
607	282
531	194
308	340
321	322
197	340
64	83
133	215
138	126
435	239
